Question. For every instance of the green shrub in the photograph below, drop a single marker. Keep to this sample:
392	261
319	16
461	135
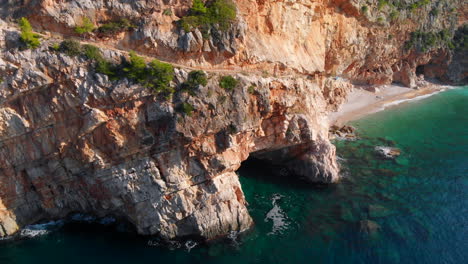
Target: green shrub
424	2
450	45
159	77
136	68
167	12
419	4
445	35
382	4
101	64
92	52
251	89
55	47
364	9
114	27
107	68
222	12
219	13
423	41
195	78
380	19
394	15
228	82
186	108
71	47
198	8
434	12
28	37
86	26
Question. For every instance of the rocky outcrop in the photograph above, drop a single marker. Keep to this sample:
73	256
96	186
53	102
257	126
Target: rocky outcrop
73	141
387	152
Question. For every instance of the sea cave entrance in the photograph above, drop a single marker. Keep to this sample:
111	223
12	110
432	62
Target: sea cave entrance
264	171
277	199
420	70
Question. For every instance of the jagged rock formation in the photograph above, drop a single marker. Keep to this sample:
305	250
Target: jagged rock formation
72	140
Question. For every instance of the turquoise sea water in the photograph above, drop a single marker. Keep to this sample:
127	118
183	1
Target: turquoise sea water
412	210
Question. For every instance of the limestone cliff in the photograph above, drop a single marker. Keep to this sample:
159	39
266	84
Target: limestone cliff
359	40
71	140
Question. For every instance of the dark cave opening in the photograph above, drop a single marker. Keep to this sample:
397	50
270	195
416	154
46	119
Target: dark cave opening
420	70
267	171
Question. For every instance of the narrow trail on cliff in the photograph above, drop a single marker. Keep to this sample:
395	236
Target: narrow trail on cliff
60	37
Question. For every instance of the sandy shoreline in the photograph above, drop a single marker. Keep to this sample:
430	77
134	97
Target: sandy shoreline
362	102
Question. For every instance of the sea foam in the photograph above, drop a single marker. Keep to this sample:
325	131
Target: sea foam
417	98
40	229
277	216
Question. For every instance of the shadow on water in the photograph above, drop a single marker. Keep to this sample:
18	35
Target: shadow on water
266	172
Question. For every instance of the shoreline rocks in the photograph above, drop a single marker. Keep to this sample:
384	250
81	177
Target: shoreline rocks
344	132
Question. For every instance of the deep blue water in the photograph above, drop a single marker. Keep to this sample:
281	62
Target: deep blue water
417	204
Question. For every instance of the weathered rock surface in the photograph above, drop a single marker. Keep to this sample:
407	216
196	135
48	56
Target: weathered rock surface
310	37
73	141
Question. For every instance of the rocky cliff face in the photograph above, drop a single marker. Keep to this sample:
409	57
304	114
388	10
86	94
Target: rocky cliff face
359	40
71	140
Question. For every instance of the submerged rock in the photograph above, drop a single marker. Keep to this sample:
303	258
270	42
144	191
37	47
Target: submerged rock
344	132
377	211
369	227
388	152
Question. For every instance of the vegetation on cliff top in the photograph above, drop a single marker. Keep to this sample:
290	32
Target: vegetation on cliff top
155	75
202	15
460	40
195	78
402	5
394	9
29	39
70	47
228	82
185	108
117	26
86	26
424	41
111	27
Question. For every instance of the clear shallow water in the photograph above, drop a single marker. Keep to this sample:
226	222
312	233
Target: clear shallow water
417	206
